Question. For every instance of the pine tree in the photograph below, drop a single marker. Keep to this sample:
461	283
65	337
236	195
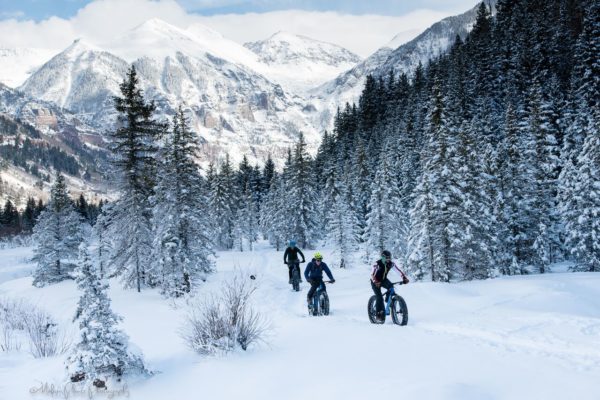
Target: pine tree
577	190
57	236
247	220
301	198
102	351
268	173
134	150
583	229
223	207
183	246
341	222
273	219
101	232
433	216
29	217
545	165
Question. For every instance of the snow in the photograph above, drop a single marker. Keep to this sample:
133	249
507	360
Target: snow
17	63
519	337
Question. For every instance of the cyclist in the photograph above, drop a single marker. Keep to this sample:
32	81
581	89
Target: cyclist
314	275
290	257
379	279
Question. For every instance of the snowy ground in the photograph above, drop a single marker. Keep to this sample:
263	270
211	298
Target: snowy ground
532	337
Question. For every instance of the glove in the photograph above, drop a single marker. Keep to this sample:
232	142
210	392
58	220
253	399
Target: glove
378	284
332	281
405	280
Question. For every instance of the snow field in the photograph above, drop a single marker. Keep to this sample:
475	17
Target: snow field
525	337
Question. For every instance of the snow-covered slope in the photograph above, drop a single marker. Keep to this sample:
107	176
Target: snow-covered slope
17	63
512	338
299	62
347	86
233	107
47	126
81	79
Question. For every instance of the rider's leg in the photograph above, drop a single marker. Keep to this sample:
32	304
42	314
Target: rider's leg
314	285
290	268
387	284
379	298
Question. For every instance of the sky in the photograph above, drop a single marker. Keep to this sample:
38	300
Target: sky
361	26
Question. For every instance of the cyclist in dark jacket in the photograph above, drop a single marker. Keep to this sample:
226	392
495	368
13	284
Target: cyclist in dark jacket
379	279
290	257
314	275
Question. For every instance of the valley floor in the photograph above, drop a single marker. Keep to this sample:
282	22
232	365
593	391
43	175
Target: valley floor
525	337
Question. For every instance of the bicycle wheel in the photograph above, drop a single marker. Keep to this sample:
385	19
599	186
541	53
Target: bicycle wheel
399	310
324	304
296	280
372	311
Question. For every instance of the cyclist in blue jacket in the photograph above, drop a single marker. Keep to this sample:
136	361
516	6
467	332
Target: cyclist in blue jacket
314	275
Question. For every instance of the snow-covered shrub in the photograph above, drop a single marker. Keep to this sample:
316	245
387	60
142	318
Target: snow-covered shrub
22	240
224	321
13	312
20	321
46	338
8	339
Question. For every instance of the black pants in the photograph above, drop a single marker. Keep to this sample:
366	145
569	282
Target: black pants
384	284
314	285
291	266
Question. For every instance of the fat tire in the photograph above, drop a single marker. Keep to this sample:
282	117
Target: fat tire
371	311
295	280
324	304
399	310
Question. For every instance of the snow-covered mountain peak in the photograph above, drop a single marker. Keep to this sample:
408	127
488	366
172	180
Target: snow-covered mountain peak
153	38
287	48
299	62
79	47
17	63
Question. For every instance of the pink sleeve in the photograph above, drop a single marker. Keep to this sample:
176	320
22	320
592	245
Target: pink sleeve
373	272
399	270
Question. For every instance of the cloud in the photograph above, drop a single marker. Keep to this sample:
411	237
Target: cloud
362	34
102	20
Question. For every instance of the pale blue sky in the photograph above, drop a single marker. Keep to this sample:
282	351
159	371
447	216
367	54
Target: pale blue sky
54	24
42	9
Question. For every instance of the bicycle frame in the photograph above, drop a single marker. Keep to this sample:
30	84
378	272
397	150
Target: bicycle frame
320	289
389	294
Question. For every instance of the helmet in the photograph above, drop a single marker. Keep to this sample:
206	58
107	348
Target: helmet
292	243
318	256
386	256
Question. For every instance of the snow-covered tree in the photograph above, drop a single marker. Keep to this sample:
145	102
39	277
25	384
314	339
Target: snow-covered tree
247	221
102	350
183	245
301	197
57	236
341	222
222	201
134	150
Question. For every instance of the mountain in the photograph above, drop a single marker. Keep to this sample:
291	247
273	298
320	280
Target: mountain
299	62
82	78
17	63
38	138
348	86
233	107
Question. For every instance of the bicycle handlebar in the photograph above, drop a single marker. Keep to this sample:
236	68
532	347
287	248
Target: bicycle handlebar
294	262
